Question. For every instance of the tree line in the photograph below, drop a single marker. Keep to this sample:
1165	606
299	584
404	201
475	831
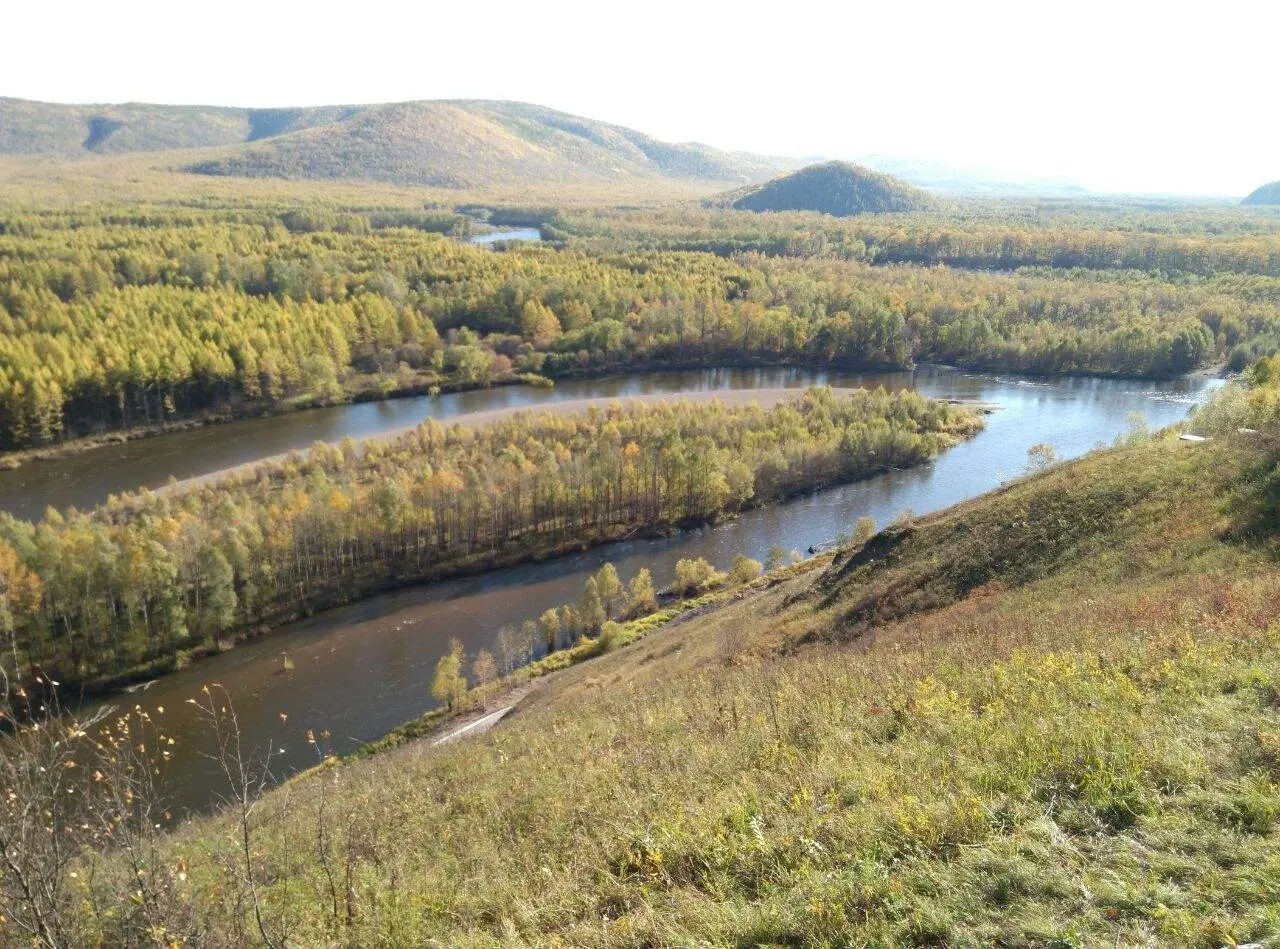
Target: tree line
1002	236
110	322
142	578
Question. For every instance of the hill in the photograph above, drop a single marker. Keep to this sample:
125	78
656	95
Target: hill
1048	716
451	144
67	131
1267	194
835	187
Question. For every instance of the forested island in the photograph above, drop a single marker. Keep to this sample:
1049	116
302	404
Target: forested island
148	581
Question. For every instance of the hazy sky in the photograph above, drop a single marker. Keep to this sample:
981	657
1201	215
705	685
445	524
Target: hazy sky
1134	96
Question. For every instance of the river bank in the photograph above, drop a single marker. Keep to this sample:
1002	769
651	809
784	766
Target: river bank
87	478
518	551
366	389
441	725
766	398
371	388
383	649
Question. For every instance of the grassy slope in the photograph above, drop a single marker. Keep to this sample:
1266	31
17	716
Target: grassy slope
1065	726
42	182
46	128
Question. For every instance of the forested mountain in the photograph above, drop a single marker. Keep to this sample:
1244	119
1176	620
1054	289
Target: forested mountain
834	187
1267	194
48	128
476	143
462	143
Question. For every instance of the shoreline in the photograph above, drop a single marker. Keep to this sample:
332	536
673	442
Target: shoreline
505	698
766	397
128	680
20	457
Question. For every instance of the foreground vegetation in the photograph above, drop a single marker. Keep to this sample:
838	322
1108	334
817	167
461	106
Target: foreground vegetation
1061	728
146	581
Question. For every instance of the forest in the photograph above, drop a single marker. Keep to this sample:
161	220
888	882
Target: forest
146	581
998	236
118	317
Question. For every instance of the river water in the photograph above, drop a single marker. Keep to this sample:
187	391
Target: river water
359	670
87	478
515	234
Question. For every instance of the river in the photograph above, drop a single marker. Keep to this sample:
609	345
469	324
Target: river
87	478
359	670
515	234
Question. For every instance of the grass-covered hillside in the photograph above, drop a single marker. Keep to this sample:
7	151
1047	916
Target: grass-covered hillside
1050	716
46	128
837	188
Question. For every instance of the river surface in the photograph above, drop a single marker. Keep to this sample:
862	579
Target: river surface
359	670
515	234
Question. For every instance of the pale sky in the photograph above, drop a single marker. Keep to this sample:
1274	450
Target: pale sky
1116	96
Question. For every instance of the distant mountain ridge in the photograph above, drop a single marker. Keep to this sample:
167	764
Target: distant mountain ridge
835	187
440	143
1267	194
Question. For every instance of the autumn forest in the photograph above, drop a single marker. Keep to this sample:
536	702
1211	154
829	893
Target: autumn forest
124	317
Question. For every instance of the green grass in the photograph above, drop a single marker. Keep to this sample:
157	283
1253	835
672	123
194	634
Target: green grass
1065	736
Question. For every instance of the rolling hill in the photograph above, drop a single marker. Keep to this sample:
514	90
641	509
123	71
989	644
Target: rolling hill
450	144
1267	194
835	187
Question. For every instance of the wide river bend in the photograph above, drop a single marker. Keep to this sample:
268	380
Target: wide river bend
361	669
